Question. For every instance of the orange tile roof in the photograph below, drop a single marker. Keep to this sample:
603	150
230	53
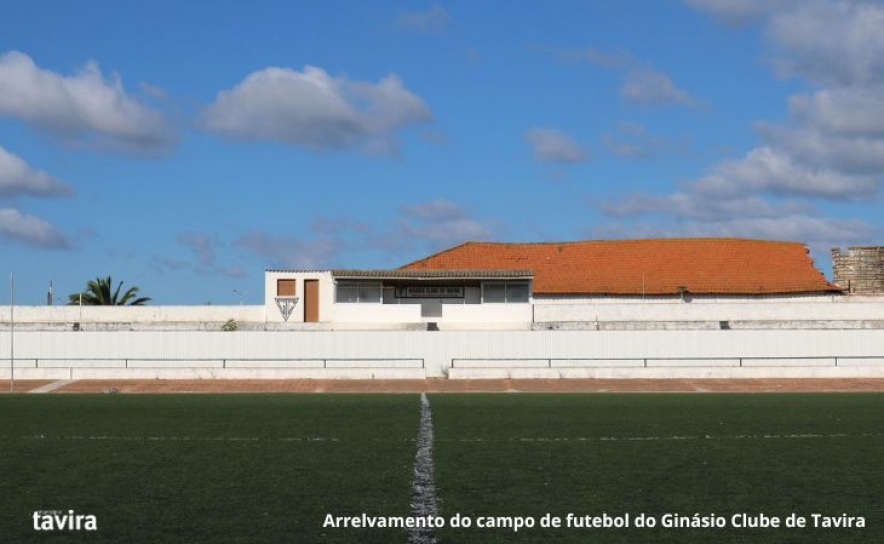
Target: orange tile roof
651	267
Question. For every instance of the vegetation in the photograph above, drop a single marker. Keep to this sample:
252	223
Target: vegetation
100	292
229	326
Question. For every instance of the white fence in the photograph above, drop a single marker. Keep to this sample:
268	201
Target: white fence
458	354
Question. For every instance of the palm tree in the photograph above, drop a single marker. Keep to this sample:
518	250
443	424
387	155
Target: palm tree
98	293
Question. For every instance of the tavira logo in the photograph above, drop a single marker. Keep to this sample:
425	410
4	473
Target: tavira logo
56	520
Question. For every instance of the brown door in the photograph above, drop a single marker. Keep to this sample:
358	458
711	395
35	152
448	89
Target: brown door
311	301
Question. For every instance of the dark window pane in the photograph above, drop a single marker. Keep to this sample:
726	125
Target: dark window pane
494	292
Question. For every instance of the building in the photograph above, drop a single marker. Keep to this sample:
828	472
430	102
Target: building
859	270
510	283
664	308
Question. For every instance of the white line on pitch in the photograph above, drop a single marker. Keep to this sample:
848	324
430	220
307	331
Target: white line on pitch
183	438
51	386
423	497
667	438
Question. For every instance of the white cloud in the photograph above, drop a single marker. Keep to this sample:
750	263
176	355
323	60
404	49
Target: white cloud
30	230
85	109
154	91
847	111
18	178
699	207
642	84
632	140
767	170
654	88
201	244
205	249
434	20
286	250
422	227
233	271
833	42
820	233
435	210
802	228
831	146
440	223
554	145
312	109
862	155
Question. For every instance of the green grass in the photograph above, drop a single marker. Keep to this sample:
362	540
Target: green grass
314	454
268	468
528	455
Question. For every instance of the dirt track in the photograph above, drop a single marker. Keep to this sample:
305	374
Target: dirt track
456	386
22	386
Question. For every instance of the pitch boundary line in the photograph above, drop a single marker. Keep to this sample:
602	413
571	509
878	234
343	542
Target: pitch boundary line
668	438
183	438
320	439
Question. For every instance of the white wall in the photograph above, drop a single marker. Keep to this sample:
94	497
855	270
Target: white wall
469	315
756	353
376	313
326	294
867	308
487	313
68	315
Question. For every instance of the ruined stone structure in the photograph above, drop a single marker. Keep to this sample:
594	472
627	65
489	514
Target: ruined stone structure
859	271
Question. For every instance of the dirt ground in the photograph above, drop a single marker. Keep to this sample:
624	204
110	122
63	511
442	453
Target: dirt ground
454	386
22	386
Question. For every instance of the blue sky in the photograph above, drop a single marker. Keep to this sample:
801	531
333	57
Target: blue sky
184	147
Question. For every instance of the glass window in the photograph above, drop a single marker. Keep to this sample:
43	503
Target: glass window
369	292
347	292
350	291
517	292
505	292
494	292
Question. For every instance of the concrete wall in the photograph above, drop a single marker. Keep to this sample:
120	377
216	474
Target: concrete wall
89	317
825	309
413	354
788	313
326	294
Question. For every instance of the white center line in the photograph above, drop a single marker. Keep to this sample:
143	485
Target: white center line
423	498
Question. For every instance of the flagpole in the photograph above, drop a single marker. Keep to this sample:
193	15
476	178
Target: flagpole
11	332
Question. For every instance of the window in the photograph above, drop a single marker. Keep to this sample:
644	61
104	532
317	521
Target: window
285	288
347	292
494	292
369	292
350	291
510	291
517	292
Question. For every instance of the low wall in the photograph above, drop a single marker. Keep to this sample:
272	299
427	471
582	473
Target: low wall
366	354
840	309
670	373
122	317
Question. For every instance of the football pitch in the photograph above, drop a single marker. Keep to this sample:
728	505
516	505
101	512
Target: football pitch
277	468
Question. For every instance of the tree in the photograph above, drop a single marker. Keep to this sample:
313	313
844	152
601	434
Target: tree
98	293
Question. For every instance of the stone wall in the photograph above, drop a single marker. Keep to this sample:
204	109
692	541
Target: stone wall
859	270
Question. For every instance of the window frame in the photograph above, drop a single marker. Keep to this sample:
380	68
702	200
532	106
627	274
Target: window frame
508	287
360	287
